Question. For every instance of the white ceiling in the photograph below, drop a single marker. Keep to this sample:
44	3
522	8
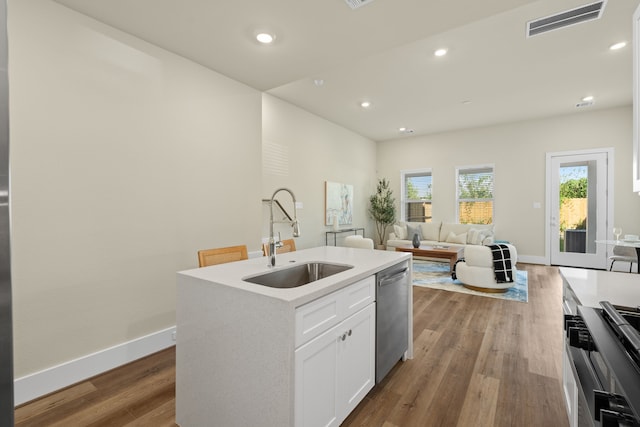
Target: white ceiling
383	52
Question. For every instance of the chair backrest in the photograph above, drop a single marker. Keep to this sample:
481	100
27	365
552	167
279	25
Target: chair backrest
358	241
625	251
288	245
222	255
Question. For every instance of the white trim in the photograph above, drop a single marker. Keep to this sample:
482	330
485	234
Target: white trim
51	379
455	186
610	152
403	201
532	259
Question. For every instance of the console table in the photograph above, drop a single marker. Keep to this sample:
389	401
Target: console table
342	230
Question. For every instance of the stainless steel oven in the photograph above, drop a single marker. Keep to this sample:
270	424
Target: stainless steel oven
603	354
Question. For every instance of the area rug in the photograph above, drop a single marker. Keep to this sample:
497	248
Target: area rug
433	274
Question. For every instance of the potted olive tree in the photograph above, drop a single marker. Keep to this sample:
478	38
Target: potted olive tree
382	209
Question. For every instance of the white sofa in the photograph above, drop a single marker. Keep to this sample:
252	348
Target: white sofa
441	233
476	271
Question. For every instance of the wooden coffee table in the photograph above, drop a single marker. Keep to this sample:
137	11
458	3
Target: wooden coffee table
452	253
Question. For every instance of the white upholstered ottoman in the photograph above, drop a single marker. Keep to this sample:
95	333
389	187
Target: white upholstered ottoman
476	271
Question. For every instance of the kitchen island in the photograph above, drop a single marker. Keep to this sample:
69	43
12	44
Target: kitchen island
241	348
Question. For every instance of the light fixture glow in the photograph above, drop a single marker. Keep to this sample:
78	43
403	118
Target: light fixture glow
587	98
617	46
318	82
265	38
365	104
440	52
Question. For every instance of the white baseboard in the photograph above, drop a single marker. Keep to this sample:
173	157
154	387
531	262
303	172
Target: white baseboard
531	259
51	379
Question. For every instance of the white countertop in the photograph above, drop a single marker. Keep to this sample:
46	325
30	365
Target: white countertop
365	261
592	286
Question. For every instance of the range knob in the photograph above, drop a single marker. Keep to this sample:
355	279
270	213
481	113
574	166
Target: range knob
616	419
580	337
572	321
612	410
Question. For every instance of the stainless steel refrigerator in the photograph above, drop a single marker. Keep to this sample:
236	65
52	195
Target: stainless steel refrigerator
6	328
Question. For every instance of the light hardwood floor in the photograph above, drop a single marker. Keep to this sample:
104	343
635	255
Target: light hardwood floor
478	361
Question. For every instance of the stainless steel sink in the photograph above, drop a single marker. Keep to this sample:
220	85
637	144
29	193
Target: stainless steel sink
298	275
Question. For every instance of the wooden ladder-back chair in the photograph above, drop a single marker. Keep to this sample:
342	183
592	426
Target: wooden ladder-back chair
222	255
288	245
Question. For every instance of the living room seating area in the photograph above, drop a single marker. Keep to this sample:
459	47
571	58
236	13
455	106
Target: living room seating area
440	233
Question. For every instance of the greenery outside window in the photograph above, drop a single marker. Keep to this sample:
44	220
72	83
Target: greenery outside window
475	194
416	196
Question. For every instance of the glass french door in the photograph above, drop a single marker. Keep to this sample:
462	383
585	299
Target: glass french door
578	208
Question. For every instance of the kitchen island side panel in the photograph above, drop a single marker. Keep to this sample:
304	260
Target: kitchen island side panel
226	356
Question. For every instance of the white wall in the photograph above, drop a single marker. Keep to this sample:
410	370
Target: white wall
315	150
518	152
125	160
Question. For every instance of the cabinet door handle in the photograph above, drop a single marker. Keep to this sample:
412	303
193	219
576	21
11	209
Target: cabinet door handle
343	337
349	333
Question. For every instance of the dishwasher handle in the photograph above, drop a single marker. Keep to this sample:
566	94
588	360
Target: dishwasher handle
393	277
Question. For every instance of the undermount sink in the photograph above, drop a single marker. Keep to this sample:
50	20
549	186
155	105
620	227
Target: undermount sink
298	275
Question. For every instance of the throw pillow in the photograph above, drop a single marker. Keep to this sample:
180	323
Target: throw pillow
413	229
460	238
487	238
400	231
475	236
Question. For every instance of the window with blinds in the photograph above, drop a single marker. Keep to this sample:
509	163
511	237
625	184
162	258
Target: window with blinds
416	203
475	194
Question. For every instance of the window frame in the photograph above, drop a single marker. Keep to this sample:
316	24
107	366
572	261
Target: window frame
403	198
477	168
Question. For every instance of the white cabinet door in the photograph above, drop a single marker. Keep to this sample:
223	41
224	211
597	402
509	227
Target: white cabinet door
335	370
570	389
316	374
356	359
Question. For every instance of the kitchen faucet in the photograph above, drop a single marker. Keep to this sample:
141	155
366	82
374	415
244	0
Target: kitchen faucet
294	223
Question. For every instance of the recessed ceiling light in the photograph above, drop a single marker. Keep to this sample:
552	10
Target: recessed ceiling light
405	130
318	82
617	46
586	101
265	38
365	104
440	52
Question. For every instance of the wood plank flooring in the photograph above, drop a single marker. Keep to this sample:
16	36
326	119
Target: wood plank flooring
478	362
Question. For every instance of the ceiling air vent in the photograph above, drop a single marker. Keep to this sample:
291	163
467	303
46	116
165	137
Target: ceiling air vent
354	4
585	13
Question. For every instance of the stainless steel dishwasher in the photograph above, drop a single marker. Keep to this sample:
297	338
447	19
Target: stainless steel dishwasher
392	317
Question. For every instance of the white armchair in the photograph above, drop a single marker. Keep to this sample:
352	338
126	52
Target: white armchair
358	241
476	271
624	253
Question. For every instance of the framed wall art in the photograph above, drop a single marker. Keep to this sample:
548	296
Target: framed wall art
338	203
